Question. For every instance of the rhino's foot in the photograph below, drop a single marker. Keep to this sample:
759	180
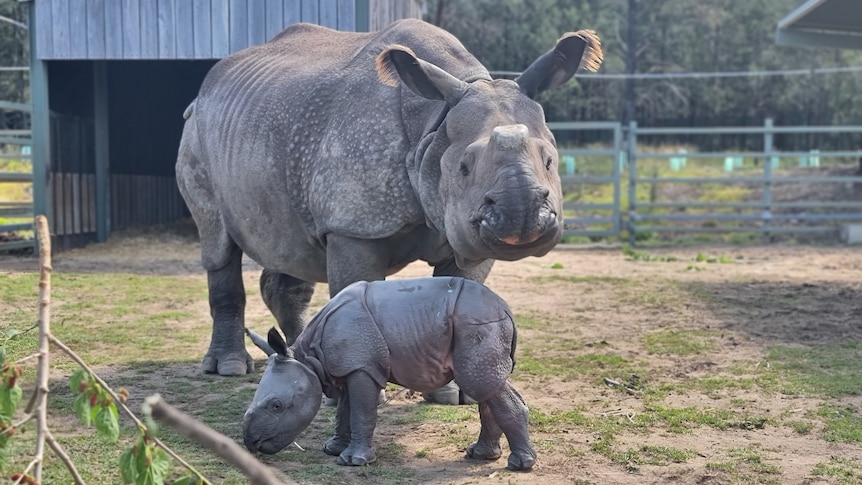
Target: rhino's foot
521	460
482	451
334	446
449	394
233	364
357	456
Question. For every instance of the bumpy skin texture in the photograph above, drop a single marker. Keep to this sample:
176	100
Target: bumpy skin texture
419	333
297	155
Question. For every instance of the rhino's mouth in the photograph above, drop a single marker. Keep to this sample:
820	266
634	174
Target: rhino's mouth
497	233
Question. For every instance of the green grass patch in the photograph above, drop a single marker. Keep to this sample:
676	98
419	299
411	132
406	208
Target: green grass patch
679	342
579	279
747	465
843	425
843	470
687	419
567	366
827	370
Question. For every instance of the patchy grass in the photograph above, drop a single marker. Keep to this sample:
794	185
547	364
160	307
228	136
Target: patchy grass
844	471
747	465
679	342
830	370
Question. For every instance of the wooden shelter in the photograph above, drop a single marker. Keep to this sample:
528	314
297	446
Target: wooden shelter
823	23
110	80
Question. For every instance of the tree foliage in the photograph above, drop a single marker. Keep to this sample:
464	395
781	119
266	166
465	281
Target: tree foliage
671	36
14	52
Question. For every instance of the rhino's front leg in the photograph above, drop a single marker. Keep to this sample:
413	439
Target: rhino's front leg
349	260
287	298
362	393
338	443
227	355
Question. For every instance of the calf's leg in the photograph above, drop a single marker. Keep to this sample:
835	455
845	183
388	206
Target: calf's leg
488	445
362	392
338	443
511	415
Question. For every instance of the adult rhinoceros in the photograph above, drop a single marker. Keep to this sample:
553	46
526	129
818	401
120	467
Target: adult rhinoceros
337	157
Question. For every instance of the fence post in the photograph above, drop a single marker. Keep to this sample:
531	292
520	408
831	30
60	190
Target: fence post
631	151
767	183
617	171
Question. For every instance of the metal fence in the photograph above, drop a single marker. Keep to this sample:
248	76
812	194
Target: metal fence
20	140
766	215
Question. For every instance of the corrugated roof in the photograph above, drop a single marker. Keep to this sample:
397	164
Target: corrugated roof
823	23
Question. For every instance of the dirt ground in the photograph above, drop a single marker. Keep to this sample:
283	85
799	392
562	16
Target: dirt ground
769	295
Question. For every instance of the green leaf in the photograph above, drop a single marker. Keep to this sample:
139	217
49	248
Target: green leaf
2	356
128	471
107	424
76	380
161	465
9	399
187	480
11	332
82	408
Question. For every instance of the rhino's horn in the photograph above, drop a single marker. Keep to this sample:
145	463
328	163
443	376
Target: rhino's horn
259	341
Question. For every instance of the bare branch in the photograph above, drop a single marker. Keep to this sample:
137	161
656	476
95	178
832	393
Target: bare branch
25	359
221	445
44	237
20	423
61	454
26	471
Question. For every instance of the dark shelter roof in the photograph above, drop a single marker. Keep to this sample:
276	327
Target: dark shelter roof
823	23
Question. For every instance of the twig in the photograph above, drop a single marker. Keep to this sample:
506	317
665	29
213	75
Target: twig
20	423
61	454
221	445
71	353
25	359
615	383
44	237
26	470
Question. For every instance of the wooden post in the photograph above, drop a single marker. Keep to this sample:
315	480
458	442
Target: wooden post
102	149
40	122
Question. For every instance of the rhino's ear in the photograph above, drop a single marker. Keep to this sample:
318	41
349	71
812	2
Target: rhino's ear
574	49
276	341
423	78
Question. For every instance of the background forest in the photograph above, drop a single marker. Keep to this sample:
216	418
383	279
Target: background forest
639	36
666	36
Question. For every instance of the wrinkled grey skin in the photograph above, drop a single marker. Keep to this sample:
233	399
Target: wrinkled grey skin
419	333
337	157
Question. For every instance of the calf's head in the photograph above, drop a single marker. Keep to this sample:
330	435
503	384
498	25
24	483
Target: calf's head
286	400
487	176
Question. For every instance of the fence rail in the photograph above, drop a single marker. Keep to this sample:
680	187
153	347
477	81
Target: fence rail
12	210
768	215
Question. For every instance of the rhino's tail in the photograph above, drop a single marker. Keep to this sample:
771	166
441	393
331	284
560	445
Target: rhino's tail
514	340
191	109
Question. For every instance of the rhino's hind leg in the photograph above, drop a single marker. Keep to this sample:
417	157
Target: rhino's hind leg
287	298
511	416
487	447
227	355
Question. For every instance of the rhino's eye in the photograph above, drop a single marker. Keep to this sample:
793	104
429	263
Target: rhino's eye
465	171
548	162
276	406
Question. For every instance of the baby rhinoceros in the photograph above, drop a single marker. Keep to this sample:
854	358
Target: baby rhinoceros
419	333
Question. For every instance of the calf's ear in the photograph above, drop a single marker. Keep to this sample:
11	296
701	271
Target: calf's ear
397	62
276	341
551	70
